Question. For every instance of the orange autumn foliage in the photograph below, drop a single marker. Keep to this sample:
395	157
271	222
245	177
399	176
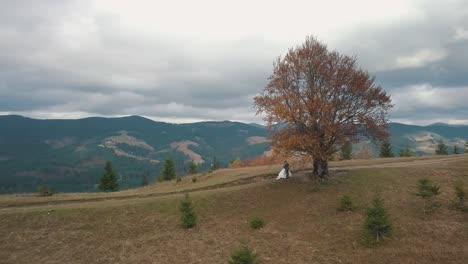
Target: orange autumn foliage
316	100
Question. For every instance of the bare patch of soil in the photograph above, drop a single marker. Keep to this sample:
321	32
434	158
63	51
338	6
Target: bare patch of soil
182	146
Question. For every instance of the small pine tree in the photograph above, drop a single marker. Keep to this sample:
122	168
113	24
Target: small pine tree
347	151
378	222
406	152
109	181
461	194
243	255
386	149
427	191
441	148
188	216
192	167
346	203
455	149
144	179
216	164
169	171
402	152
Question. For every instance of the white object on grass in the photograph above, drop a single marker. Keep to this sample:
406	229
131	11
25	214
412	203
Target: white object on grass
282	174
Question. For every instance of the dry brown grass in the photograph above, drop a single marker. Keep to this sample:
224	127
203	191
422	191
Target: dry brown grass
302	222
218	178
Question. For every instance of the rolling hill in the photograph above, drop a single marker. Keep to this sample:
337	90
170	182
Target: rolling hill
303	223
69	154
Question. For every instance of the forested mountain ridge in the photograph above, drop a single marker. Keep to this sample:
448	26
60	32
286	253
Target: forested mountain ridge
69	155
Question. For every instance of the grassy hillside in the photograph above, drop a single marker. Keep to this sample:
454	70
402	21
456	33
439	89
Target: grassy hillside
303	224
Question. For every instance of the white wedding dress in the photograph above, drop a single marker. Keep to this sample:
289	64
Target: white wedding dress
282	174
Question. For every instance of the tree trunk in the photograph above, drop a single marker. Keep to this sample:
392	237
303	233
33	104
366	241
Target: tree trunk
321	169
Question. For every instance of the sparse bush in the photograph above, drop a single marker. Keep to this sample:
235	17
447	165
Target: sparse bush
216	164
257	223
406	152
237	163
192	167
347	151
427	190
441	148
346	204
243	255
188	216
377	222
363	153
178	179
43	190
270	159
461	194
194	180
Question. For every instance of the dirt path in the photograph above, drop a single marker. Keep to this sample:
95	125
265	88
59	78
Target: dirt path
249	180
139	196
398	164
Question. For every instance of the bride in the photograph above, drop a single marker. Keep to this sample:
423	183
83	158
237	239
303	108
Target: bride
285	172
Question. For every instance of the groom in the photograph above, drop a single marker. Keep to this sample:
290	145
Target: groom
286	168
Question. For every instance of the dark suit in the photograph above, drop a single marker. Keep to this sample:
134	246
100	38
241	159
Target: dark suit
286	168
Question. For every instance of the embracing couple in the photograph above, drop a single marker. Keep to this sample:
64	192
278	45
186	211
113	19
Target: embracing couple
285	172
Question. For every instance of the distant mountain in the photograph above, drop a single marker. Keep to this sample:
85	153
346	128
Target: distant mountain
69	155
423	140
447	125
256	125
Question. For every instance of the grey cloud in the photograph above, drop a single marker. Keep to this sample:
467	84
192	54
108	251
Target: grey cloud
449	72
380	48
106	68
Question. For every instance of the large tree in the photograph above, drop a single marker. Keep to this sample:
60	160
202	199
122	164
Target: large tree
323	100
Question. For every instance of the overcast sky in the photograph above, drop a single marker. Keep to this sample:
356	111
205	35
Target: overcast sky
184	61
